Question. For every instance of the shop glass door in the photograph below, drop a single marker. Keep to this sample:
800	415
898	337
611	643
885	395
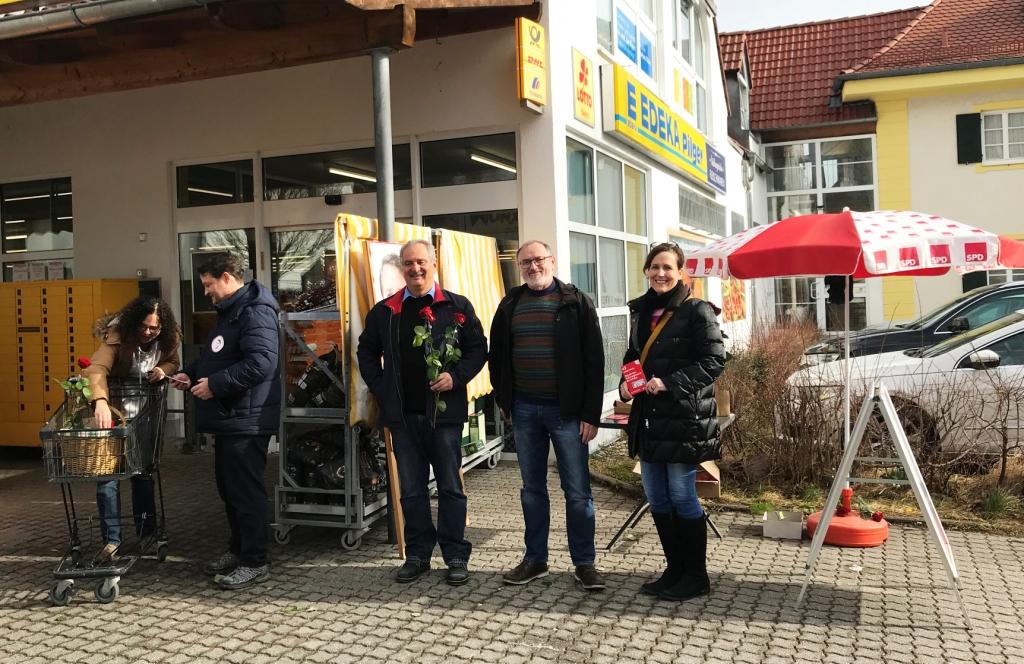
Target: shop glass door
197	313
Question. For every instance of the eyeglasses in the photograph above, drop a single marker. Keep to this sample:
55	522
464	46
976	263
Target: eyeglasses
147	328
537	262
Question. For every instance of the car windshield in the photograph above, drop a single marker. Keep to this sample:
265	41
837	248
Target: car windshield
970	335
943	309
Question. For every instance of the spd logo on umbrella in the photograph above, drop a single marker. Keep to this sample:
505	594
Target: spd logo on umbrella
939	254
909	257
975	252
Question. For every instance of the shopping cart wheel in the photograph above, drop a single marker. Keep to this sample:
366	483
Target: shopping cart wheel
282	534
107	591
351	540
161	552
61	592
492	461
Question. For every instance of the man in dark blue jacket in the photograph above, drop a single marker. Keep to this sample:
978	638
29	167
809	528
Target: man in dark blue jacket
237	383
423	407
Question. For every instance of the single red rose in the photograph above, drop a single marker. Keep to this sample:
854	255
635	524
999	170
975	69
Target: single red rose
460	318
877	516
427	314
84	362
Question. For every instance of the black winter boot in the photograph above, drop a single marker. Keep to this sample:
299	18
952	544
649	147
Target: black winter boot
665	523
693	542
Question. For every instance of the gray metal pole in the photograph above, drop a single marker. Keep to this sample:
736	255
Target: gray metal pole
382	143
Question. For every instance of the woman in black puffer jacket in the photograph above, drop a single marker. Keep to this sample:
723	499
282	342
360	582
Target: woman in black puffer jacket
672	425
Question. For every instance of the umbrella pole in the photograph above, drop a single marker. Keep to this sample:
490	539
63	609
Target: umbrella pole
846	358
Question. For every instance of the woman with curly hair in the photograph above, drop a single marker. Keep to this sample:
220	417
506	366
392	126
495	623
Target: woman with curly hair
140	341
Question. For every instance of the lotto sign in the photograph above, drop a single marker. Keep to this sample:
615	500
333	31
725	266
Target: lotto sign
583	88
531	62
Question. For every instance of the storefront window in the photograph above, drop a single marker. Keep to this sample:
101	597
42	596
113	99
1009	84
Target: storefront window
502	225
583	263
604	23
469	160
303	269
336	172
636	201
221	183
580	160
68	271
613	273
636	283
846	163
814	177
609	192
615	336
36	216
701	213
197	313
792	166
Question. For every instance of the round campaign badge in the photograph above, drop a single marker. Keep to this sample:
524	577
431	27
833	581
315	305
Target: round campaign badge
217	343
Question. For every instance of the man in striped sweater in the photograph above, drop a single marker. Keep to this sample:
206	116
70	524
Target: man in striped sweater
547	369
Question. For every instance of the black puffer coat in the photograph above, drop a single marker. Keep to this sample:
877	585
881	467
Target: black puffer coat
678	425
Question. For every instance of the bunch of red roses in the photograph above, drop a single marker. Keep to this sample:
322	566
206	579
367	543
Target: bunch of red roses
441	359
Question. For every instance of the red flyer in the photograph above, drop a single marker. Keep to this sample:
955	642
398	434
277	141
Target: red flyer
633	374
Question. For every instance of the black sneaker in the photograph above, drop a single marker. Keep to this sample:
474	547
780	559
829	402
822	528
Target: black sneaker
244	577
525	572
589	578
458	574
227	562
411	570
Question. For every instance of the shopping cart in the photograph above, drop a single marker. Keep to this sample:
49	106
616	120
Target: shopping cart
80	454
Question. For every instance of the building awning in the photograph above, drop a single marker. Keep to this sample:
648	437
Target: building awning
58	51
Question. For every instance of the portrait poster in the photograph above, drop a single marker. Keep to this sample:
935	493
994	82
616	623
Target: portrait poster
385	265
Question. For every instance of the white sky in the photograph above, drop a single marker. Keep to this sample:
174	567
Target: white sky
734	15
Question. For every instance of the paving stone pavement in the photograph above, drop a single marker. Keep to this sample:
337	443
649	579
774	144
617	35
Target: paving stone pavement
324	604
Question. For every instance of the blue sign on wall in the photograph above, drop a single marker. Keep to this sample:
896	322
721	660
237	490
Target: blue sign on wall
646	55
716	168
625	35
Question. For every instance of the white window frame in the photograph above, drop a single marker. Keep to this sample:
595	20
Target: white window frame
698	18
640	19
1004	129
598	232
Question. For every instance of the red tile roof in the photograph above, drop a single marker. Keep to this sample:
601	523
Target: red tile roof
793	67
951	32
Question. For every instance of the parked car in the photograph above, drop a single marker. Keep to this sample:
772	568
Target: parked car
964	392
969	311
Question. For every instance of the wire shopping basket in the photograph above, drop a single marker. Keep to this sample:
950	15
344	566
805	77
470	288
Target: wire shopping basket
85	453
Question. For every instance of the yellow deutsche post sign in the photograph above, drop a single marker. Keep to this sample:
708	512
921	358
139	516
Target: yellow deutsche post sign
531	62
637	115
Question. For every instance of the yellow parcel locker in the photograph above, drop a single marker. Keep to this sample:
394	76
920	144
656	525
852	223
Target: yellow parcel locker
44	327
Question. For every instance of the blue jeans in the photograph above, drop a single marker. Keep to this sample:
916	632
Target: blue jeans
418	447
671	487
534	425
108	505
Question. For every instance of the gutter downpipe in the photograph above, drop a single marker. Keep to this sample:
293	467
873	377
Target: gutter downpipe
382	143
86	15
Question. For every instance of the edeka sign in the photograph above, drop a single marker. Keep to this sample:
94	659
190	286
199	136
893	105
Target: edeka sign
583	88
531	66
637	115
716	168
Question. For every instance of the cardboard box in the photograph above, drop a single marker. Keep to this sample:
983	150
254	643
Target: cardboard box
783	524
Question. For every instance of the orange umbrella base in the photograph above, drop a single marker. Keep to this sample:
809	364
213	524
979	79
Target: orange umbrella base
850	530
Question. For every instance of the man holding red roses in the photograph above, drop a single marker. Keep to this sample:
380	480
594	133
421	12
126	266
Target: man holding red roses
432	345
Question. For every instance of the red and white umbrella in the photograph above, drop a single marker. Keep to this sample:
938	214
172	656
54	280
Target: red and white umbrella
858	244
